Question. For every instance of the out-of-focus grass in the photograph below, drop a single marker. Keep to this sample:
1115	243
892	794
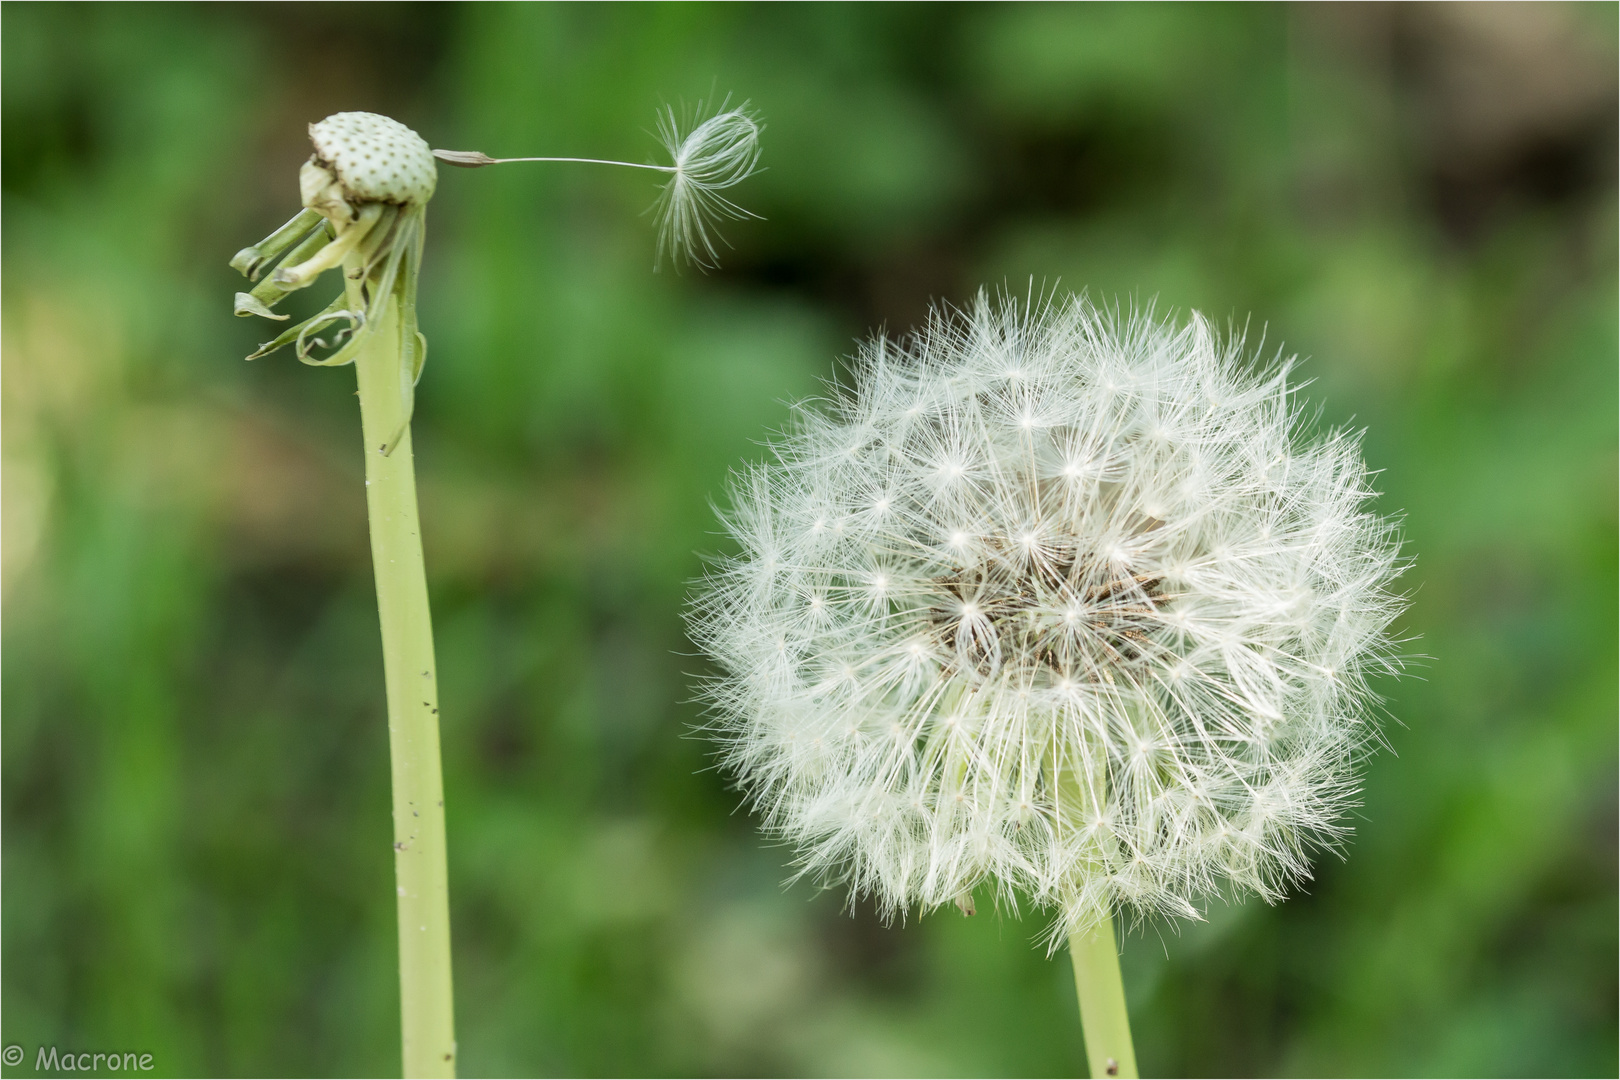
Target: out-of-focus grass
196	856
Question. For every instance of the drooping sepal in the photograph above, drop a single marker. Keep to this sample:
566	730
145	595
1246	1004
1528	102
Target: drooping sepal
250	260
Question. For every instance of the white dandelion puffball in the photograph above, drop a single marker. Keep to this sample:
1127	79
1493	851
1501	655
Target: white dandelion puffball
1056	601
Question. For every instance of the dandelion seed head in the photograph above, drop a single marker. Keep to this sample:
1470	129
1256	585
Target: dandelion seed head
1108	695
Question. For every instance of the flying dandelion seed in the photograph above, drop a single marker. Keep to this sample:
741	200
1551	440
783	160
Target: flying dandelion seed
711	158
1058	601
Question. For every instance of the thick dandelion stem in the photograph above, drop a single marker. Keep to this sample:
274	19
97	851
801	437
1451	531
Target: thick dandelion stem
1103	1017
1082	791
426	1003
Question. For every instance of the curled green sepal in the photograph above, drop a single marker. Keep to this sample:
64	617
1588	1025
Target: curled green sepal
250	260
355	332
299	333
388	242
317	250
270	292
296	276
248	304
392	256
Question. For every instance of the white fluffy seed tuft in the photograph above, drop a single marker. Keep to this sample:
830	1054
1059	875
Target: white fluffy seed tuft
713	156
1059	601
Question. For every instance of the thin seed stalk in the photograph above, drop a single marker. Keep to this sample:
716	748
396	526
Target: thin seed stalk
427	1018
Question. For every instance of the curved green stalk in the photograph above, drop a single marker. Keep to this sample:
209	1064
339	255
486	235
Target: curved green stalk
426	1001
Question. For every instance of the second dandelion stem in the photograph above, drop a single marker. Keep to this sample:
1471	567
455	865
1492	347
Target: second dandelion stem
1082	794
426	1002
1103	1016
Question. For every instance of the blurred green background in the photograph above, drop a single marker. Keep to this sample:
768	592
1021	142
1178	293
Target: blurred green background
196	818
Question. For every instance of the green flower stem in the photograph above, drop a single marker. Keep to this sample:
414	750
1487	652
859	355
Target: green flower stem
427	1017
1103	1018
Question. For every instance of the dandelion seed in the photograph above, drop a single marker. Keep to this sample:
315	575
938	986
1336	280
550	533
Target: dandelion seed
714	156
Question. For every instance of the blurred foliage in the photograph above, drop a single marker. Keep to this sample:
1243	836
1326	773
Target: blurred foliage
196	847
